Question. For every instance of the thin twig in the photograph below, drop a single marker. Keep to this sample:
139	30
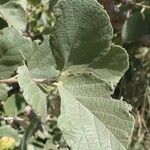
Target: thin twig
15	80
9	81
10	118
142	5
21	121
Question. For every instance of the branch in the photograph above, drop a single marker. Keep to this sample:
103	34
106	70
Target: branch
21	121
15	80
9	81
142	5
10	118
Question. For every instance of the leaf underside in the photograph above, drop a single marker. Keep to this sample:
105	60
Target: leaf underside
90	119
133	33
39	57
90	69
14	14
32	93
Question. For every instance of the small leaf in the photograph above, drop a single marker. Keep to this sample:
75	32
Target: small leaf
39	57
90	119
41	63
14	14
23	3
10	57
3	92
7	131
82	31
14	105
32	93
136	26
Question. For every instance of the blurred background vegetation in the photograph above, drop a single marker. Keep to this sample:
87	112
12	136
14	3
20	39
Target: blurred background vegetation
131	22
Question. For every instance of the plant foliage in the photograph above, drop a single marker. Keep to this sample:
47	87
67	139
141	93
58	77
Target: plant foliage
73	71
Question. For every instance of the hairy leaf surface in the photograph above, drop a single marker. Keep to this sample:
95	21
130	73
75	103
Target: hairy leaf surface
13	13
90	119
89	116
3	92
39	57
82	31
14	105
32	93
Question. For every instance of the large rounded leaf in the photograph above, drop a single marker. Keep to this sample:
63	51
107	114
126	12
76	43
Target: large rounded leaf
90	119
82	31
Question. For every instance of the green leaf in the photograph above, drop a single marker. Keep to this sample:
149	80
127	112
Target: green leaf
32	93
109	68
14	105
4	1
39	57
10	59
13	13
34	2
7	131
3	92
23	3
82	31
90	119
136	26
89	115
41	63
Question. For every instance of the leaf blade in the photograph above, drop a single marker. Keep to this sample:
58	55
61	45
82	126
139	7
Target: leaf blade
82	111
13	13
74	38
32	93
39	58
3	92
